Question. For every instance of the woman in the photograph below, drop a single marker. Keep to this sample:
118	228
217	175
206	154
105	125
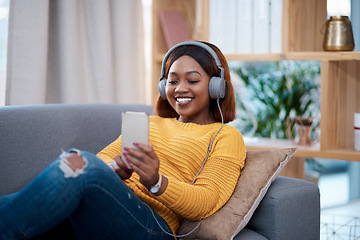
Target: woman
189	169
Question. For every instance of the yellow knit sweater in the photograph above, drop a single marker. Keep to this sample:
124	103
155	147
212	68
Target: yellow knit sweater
181	149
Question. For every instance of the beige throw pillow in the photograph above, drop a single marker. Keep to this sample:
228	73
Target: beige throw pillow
261	169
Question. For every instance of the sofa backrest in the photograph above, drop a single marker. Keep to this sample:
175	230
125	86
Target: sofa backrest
31	137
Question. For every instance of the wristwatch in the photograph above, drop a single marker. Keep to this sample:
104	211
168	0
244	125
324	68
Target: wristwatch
154	189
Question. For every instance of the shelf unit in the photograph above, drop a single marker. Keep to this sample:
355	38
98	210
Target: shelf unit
302	39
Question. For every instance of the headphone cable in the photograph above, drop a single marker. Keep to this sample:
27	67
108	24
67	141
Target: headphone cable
207	155
211	143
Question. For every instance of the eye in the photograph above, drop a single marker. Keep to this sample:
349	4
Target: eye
172	82
193	81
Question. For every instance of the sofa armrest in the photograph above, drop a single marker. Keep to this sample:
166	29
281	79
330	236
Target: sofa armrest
289	210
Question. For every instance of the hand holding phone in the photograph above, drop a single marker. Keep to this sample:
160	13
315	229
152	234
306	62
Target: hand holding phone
120	168
134	129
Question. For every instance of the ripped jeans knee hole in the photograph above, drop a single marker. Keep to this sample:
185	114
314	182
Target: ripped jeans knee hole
72	166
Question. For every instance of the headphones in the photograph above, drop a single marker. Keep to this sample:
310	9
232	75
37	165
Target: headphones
217	85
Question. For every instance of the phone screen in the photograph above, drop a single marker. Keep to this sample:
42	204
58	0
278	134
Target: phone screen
134	128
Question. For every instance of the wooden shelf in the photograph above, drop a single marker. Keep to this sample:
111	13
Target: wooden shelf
300	56
313	150
322	56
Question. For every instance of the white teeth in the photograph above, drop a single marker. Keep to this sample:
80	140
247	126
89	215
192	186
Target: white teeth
183	100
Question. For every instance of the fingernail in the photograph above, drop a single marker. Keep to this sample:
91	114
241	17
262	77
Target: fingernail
126	149
136	144
125	154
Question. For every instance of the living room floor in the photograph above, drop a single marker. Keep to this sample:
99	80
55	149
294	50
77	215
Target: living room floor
340	217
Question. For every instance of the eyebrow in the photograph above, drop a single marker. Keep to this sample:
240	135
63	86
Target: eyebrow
189	72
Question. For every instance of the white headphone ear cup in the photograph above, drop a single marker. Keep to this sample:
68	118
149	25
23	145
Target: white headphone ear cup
162	86
217	88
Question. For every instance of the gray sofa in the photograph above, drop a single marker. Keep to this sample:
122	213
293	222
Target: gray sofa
33	136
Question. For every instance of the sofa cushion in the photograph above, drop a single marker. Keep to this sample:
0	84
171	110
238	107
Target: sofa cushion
37	133
261	169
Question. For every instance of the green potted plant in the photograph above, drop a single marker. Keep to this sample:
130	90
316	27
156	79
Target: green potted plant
304	126
275	92
278	100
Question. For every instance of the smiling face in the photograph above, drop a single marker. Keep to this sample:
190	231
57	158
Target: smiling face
187	90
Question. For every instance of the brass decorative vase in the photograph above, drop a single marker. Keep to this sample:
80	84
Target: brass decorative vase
338	34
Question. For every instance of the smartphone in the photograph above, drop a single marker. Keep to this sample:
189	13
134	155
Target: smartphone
134	128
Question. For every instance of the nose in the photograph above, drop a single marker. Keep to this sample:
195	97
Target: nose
181	87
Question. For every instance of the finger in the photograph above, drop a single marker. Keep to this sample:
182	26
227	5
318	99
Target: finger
119	161
134	159
136	155
148	149
144	147
138	168
114	166
122	170
140	162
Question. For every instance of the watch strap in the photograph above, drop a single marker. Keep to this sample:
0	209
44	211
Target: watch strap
155	188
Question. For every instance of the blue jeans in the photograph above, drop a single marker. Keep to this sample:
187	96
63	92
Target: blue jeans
98	203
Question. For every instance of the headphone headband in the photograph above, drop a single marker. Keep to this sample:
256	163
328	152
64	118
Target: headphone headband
193	43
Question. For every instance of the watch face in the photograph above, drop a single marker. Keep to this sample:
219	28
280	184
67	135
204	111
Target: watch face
154	189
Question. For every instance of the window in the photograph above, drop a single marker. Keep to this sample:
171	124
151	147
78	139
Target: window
335	7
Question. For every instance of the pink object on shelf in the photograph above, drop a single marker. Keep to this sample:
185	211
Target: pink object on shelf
174	27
